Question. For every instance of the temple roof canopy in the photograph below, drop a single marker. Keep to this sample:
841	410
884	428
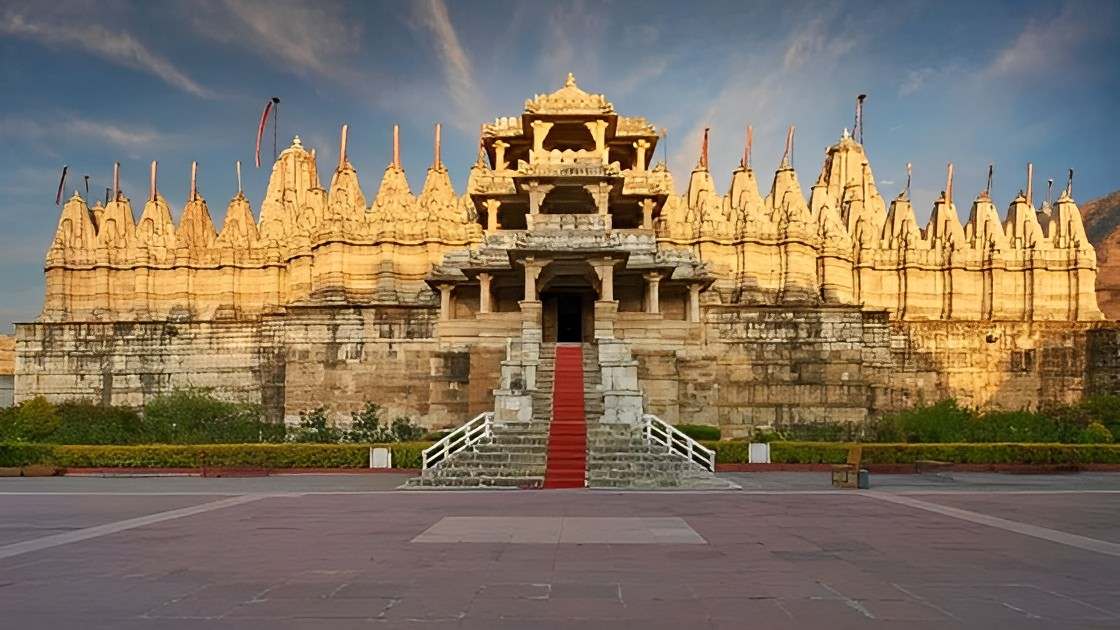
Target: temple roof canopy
570	100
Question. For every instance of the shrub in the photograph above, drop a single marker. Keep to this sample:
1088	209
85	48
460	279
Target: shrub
314	427
366	427
1096	433
30	421
700	431
196	417
84	422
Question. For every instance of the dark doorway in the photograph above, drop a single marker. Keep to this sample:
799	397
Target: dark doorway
569	318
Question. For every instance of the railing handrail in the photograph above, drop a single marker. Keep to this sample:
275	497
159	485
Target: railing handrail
463	437
675	441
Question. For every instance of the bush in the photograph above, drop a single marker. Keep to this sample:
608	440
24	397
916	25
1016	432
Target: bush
84	422
196	417
700	431
1097	433
314	427
30	421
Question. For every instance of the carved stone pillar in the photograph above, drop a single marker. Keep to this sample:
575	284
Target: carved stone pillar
445	301
641	146
492	207
540	132
537	192
484	292
500	147
601	193
604	269
533	269
647	214
694	302
653	298
598	129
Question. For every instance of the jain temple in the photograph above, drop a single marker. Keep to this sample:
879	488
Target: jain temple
780	300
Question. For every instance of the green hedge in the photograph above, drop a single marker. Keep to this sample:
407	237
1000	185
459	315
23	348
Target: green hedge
735	452
700	431
405	455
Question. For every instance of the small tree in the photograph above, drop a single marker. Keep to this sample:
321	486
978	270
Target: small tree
314	427
365	426
32	421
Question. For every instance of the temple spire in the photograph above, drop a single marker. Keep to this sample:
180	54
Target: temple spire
152	192
396	146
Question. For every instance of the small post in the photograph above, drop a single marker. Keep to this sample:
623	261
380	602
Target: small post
396	146
152	182
1049	191
194	180
435	158
342	147
238	165
116	181
988	189
788	154
1030	184
908	174
1069	184
704	150
949	185
747	149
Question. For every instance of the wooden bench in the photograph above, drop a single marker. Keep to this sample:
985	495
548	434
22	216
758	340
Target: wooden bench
846	475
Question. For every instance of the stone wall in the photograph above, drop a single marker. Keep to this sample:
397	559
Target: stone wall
773	366
7	369
337	357
767	365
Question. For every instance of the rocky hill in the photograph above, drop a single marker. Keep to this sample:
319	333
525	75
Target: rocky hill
1102	224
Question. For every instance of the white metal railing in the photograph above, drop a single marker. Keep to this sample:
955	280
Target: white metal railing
464	437
664	434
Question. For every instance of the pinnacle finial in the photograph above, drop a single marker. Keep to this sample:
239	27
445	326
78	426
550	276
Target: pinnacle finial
297	143
704	150
570	81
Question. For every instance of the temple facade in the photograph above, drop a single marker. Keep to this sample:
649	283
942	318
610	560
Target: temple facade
735	309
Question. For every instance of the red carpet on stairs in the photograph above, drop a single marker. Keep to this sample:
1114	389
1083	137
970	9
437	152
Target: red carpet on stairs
567	434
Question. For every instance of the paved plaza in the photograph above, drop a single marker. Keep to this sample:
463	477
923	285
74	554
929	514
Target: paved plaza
351	551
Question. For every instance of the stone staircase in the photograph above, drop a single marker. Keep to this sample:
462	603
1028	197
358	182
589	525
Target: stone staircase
516	454
618	454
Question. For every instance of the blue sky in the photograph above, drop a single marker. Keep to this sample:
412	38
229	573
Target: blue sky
88	83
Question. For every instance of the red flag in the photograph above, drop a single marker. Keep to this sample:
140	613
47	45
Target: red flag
61	183
262	125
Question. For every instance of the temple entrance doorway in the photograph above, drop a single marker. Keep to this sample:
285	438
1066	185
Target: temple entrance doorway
568	316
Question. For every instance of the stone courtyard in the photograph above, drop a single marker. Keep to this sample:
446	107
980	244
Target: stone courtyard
347	551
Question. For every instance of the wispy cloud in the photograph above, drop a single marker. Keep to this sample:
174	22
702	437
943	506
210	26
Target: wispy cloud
309	39
458	73
50	134
117	47
1045	46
